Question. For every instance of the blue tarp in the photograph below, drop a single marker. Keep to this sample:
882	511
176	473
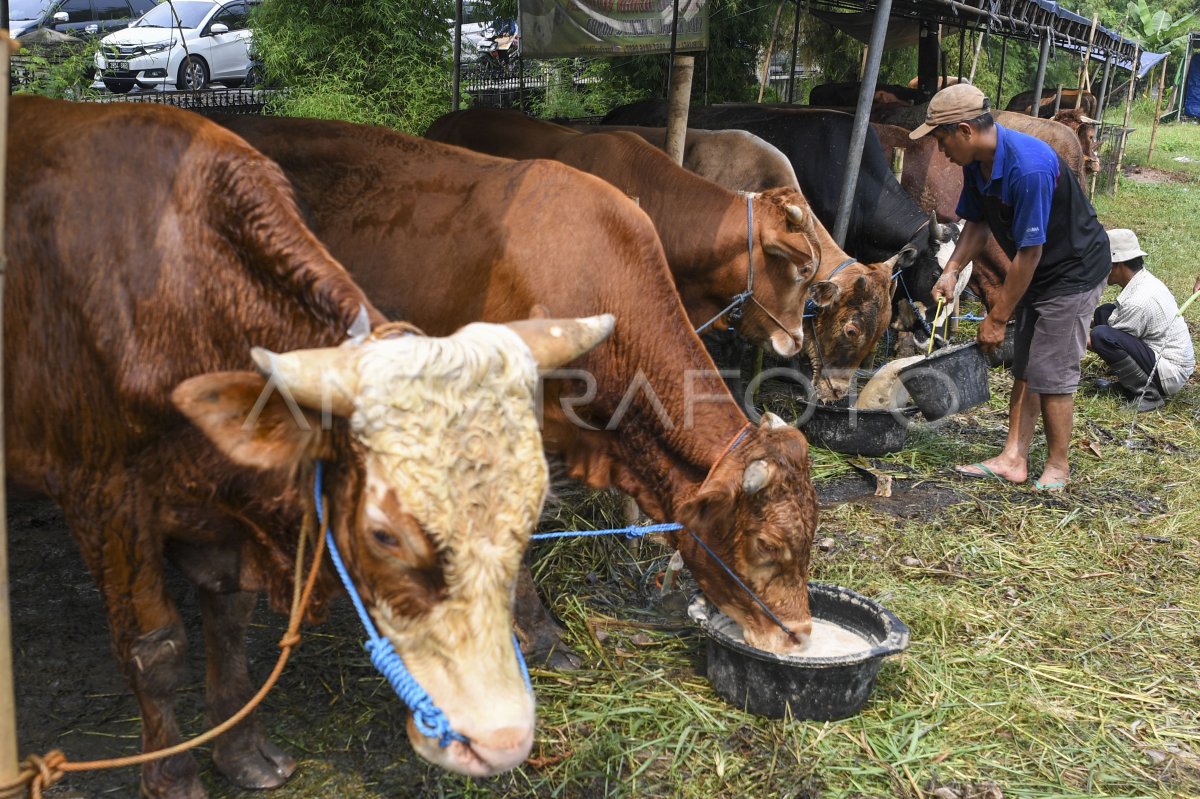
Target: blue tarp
1191	97
1146	61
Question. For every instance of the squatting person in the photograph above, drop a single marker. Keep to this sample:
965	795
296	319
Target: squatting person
1142	326
1016	187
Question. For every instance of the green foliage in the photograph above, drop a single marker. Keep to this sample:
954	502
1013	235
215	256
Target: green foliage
62	70
582	88
386	62
1156	29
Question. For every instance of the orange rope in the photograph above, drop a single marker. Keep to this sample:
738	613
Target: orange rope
42	771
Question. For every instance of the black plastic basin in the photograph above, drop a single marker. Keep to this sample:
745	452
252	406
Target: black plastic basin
819	688
857	432
950	380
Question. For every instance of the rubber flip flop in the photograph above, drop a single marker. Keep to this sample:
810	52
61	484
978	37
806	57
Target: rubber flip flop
1053	487
984	473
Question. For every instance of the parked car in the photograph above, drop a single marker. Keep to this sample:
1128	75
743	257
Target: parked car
73	17
187	44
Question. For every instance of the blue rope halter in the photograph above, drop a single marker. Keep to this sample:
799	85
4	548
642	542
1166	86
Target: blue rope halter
428	718
635	531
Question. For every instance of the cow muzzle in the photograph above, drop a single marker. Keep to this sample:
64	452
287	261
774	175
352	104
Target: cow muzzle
774	640
486	753
787	343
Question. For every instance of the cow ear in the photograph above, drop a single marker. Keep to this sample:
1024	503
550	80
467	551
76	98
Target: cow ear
249	421
824	293
711	510
797	249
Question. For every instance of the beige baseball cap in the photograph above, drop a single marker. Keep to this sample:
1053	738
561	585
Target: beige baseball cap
956	103
1124	246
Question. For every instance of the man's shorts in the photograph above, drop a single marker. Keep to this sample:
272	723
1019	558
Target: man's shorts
1050	339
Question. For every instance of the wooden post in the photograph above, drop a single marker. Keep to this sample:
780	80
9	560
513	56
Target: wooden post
795	47
975	59
1162	83
1083	70
1057	101
1000	82
1133	70
9	768
898	163
677	106
762	87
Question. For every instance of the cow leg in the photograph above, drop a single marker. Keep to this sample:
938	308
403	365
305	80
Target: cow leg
244	755
147	634
540	635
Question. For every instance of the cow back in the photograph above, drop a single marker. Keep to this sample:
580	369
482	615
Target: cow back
108	310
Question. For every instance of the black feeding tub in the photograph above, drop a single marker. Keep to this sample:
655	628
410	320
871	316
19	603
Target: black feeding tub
814	688
948	381
855	431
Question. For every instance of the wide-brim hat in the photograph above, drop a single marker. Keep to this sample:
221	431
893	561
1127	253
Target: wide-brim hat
956	103
1124	246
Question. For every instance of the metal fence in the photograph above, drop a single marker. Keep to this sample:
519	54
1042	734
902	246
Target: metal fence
1110	143
524	83
205	101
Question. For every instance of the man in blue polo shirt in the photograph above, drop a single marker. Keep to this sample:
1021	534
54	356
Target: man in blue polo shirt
1016	188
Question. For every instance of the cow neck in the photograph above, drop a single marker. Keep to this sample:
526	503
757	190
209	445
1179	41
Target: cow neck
702	225
653	453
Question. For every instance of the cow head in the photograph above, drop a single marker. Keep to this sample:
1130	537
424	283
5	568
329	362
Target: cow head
435	480
920	268
757	510
853	308
786	257
1085	128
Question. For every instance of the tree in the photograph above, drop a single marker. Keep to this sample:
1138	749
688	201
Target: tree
1157	30
385	62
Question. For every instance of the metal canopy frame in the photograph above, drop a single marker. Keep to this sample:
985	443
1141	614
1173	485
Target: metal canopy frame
1028	20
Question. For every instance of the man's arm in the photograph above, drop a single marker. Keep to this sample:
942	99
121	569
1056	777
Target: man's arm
971	242
991	329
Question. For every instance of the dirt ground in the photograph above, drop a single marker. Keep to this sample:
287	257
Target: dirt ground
71	696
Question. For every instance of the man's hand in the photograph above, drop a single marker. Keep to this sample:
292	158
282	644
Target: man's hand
991	333
945	285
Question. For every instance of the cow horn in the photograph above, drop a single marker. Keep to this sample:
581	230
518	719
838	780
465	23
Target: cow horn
939	232
754	479
771	422
1088	120
316	379
808	228
555	342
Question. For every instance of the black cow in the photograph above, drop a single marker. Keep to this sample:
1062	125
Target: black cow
884	219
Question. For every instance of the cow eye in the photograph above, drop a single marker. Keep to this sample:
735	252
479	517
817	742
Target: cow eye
384	537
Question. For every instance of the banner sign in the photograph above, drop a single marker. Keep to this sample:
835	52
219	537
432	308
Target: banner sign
556	28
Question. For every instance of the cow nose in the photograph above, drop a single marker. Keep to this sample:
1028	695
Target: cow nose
786	343
503	748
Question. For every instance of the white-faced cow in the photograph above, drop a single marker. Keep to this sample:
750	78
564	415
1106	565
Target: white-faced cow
132	400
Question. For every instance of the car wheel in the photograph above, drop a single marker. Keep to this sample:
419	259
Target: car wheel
254	78
193	75
119	86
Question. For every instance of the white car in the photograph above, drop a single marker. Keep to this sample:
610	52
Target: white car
186	43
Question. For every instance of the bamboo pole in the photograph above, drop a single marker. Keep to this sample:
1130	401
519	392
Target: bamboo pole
1162	85
975	58
762	87
1133	68
8	707
1083	70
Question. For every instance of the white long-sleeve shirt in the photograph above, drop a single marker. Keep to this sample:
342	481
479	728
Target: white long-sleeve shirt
1146	309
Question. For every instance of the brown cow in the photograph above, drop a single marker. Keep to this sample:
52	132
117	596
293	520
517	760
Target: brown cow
130	402
703	227
735	159
1085	129
444	236
1022	102
852	303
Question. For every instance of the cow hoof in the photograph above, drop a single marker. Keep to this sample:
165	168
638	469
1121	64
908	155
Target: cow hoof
259	765
559	657
178	789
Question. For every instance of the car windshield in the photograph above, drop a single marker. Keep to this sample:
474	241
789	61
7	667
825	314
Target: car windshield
191	14
27	9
